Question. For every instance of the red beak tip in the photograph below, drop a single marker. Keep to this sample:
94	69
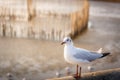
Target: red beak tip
62	43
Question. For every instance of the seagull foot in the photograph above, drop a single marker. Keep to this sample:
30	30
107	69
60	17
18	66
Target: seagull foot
76	76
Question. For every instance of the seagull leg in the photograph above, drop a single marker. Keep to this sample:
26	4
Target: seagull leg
77	70
76	75
80	72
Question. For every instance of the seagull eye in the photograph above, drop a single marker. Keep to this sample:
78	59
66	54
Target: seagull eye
67	39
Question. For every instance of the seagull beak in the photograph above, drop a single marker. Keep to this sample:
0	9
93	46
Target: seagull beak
62	43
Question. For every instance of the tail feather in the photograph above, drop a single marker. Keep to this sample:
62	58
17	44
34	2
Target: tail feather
100	50
104	54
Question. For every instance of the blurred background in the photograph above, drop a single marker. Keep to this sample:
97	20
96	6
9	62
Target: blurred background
31	32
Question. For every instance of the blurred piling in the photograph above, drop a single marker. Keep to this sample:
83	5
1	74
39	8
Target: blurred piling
10	76
35	19
111	74
68	71
90	68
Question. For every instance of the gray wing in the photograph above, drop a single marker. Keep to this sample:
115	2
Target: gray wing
86	55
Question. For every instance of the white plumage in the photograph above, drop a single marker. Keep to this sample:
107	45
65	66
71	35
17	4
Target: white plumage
78	55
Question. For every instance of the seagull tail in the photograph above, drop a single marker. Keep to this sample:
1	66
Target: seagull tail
104	54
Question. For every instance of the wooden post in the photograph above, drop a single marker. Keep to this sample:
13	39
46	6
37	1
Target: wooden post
31	9
111	74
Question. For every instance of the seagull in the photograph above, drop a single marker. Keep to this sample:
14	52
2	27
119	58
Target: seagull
77	56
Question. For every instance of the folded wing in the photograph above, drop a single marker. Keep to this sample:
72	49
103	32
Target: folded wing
86	55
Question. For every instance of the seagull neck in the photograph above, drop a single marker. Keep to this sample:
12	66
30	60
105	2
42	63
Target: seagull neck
69	45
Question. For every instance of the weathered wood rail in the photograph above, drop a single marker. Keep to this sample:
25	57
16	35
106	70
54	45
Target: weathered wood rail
111	74
35	19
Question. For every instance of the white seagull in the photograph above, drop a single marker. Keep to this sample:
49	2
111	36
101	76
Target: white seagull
76	55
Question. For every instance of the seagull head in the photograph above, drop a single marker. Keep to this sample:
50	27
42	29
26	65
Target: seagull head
67	41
